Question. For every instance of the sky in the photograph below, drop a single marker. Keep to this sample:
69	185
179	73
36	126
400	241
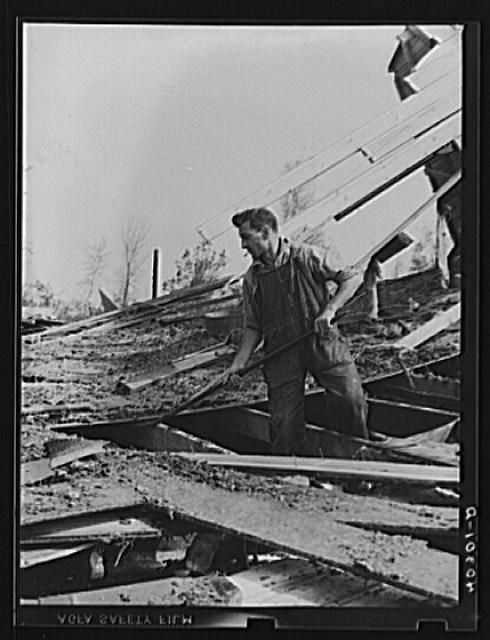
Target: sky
176	124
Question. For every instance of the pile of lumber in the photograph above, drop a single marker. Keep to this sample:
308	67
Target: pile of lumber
177	306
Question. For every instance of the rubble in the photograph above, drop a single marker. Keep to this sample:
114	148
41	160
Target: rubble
120	475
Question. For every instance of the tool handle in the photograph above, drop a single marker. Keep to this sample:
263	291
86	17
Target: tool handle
273	354
214	384
222	378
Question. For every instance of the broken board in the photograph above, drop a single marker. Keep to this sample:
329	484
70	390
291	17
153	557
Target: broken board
396	560
438	323
37	470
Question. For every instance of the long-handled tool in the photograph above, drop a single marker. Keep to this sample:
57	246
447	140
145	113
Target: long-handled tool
221	379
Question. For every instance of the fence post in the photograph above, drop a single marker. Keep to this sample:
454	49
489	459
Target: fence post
154	282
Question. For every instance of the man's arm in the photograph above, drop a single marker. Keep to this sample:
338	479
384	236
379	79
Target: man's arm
345	291
250	339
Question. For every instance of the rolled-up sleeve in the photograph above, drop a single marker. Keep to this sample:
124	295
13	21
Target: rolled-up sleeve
250	309
323	267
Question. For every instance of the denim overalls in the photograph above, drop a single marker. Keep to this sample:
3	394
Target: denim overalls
289	299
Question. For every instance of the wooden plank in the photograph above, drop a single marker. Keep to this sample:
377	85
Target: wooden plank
425	109
296	530
336	468
123	529
226	423
377	178
157	310
150	435
441	321
422	570
162	437
248	431
215	590
330	444
57	408
440	538
441	61
401	419
403	393
144	522
130	510
32	557
446	454
437	435
297	582
187	363
306	536
428	204
91	527
37	470
138	307
243	429
423	398
385	416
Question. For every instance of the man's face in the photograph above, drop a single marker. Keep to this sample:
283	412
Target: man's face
253	241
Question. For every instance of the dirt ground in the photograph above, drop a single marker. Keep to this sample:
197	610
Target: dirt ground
86	368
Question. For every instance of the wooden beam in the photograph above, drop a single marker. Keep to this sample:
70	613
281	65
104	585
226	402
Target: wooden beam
133	513
252	427
31	557
187	363
307	532
386	416
431	202
336	468
381	133
442	60
248	430
428	398
153	436
162	437
439	323
360	188
446	539
37	470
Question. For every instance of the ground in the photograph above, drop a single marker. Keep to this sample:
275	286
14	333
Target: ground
84	369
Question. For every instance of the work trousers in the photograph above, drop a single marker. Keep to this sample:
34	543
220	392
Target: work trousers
289	300
345	408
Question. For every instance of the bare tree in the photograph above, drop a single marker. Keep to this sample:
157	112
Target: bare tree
96	259
134	236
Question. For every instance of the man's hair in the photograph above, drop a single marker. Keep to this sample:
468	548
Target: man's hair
257	218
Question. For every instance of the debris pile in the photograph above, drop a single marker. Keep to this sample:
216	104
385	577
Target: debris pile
108	388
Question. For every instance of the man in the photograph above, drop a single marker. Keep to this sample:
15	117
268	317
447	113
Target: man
285	295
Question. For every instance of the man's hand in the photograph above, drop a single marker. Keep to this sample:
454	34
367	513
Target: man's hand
323	323
231	374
